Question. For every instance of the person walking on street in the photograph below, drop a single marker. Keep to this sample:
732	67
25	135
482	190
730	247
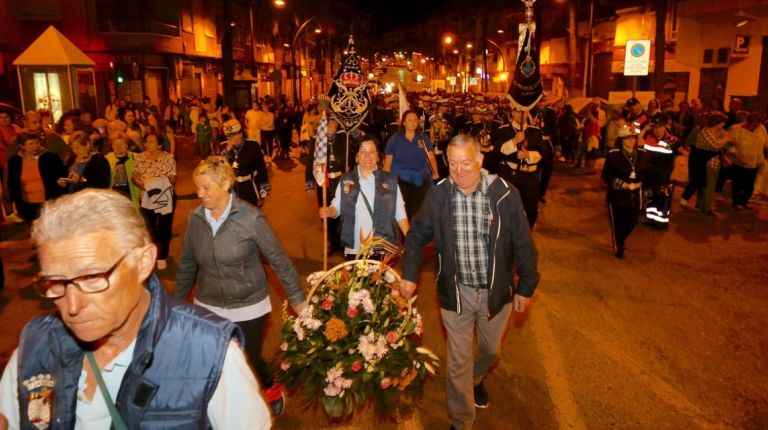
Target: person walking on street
225	239
119	352
482	240
368	201
409	155
625	169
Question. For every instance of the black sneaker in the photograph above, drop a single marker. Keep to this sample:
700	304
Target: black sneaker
481	396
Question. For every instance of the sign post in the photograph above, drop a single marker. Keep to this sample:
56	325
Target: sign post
637	60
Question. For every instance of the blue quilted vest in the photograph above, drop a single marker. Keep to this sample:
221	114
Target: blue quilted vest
176	365
383	206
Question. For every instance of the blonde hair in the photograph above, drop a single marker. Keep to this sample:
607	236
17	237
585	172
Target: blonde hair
217	168
89	211
117	125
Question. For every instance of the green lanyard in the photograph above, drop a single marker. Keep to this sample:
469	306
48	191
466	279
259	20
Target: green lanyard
117	420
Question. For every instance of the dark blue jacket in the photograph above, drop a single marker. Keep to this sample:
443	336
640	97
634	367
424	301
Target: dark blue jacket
510	247
177	362
383	206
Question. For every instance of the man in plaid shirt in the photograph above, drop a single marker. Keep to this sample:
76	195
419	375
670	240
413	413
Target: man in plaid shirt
482	240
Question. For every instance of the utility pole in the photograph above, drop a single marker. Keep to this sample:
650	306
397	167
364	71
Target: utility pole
227	59
660	47
572	54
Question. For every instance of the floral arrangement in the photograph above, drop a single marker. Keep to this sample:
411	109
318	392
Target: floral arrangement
357	341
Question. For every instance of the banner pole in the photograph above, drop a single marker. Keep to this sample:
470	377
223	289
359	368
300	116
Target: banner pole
325	228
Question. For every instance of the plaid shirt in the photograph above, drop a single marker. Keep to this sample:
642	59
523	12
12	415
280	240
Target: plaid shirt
471	225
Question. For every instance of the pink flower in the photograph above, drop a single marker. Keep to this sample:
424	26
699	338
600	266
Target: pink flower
391	337
284	365
357	366
352	312
326	305
386	383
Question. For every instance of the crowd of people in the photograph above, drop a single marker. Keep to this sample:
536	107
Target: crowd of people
463	170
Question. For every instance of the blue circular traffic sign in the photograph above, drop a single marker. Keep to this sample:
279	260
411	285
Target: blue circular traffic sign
637	50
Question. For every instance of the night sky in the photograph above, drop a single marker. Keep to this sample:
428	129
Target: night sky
392	14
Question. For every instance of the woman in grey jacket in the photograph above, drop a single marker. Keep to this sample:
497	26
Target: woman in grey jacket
224	238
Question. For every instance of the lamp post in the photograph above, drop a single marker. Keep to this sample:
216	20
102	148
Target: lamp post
293	59
501	52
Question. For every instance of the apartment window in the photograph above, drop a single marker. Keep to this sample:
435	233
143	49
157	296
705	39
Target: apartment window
709	55
138	16
722	56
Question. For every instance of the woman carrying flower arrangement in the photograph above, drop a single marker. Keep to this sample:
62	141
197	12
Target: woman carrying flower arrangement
368	201
222	246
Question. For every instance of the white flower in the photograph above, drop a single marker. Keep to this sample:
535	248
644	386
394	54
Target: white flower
389	277
284	346
337	383
332	391
298	330
362	297
372	347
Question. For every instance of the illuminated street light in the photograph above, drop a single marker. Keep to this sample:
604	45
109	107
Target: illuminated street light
455	51
286	45
500	31
279	3
469	45
448	40
318	30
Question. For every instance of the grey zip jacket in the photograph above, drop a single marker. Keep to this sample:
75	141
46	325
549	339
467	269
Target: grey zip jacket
227	267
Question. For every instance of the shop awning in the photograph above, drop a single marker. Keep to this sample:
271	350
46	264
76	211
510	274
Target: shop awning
52	49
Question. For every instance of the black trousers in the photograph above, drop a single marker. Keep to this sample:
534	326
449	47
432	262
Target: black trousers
254	330
623	220
743	184
725	174
160	229
414	195
267	137
527	183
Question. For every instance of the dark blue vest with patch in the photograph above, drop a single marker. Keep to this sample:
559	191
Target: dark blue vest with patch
177	362
383	206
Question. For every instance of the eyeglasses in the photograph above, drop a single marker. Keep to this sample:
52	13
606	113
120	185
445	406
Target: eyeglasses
89	284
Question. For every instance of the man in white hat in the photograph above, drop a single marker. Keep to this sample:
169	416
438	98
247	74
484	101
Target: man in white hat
247	160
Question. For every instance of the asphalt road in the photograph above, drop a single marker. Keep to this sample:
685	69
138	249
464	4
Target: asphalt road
675	336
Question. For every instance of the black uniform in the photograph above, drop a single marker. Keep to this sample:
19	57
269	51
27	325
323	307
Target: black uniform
624	205
503	132
339	160
549	126
251	174
524	174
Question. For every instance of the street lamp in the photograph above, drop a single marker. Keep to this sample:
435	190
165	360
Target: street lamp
279	3
293	59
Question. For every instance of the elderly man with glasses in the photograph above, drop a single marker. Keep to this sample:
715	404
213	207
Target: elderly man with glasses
119	352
